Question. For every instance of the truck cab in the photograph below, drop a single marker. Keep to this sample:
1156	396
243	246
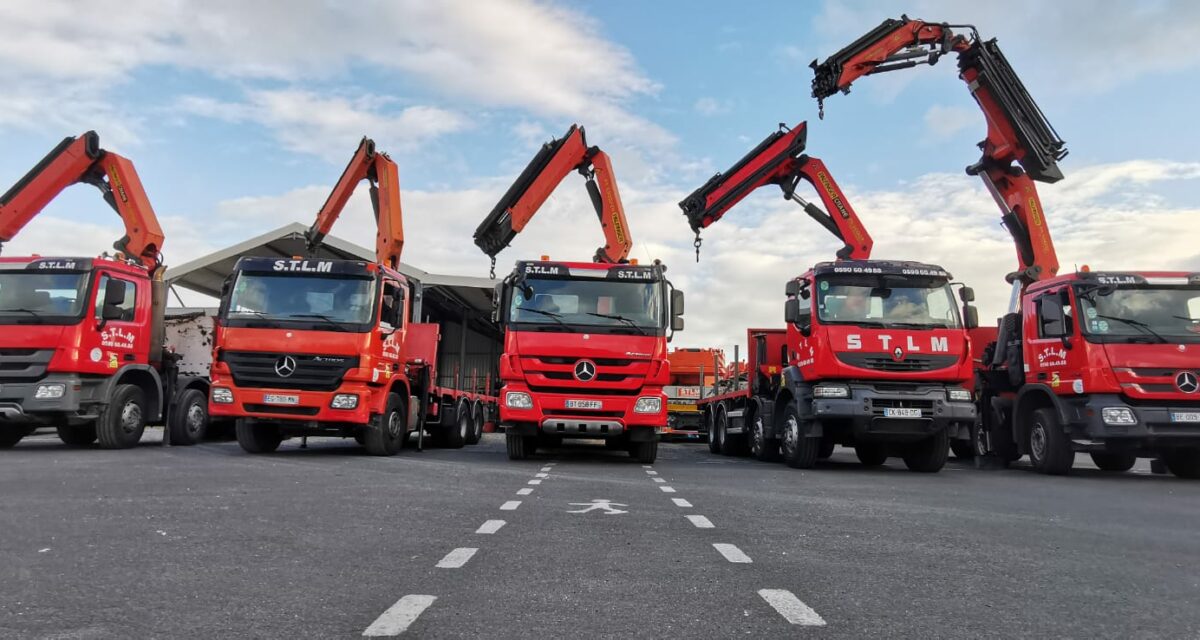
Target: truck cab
585	354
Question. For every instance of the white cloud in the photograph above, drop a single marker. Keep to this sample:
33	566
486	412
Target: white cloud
708	106
944	122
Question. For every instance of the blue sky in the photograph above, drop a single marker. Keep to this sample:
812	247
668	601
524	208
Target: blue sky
240	119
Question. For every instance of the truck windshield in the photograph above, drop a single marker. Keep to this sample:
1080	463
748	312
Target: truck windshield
324	302
622	307
887	301
1128	314
37	298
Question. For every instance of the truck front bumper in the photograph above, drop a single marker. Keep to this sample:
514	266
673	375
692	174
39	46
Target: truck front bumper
1161	424
292	405
892	415
614	417
19	401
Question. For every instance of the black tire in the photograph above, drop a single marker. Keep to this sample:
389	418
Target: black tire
714	439
826	449
723	432
386	434
257	438
10	435
123	419
1114	461
189	420
799	451
644	452
1184	463
1049	449
456	436
76	436
476	424
871	454
519	447
761	447
928	455
963	449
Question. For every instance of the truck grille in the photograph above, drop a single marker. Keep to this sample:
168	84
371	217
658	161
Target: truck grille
884	362
256	369
24	364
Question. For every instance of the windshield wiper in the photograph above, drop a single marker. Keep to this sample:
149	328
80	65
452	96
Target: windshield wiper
320	316
620	319
916	325
31	312
1137	323
557	317
262	316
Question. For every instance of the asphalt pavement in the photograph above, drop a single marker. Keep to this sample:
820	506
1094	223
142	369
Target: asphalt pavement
323	542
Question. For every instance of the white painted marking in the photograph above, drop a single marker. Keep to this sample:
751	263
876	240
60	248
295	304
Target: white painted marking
491	526
599	504
701	522
651	473
524	492
647	466
545	469
791	608
511	505
534	482
666	489
658	480
732	553
456	558
540	475
396	619
680	502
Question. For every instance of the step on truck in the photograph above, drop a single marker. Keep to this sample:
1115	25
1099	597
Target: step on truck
82	339
1102	362
875	353
693	370
585	343
318	347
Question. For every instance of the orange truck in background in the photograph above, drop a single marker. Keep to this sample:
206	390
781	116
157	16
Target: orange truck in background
693	370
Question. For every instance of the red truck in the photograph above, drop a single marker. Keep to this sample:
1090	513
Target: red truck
316	347
1098	362
875	353
585	344
82	345
693	372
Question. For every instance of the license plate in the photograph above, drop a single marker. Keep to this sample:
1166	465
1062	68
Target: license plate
1191	416
901	413
584	404
271	398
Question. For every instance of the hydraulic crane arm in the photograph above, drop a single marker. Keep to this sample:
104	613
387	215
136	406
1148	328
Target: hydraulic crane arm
381	172
82	160
1018	131
552	163
780	160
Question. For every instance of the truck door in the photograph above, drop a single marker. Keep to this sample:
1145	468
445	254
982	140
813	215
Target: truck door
393	315
119	323
1054	352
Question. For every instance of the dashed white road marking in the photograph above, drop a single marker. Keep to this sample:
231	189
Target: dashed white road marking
524	492
701	522
647	466
651	473
456	558
511	505
399	616
666	489
658	480
545	469
680	502
491	526
541	475
732	553
791	608
534	482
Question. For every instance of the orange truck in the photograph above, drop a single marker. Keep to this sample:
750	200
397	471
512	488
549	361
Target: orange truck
693	370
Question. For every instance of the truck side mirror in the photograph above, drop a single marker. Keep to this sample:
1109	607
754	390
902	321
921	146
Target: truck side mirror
966	294
497	300
970	317
792	289
1053	322
677	324
676	304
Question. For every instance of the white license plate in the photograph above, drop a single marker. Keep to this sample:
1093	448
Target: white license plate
272	398
1191	416
584	404
901	413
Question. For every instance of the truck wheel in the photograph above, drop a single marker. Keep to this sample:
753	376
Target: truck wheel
1114	461
799	451
760	447
10	435
76	436
257	438
826	450
871	455
519	446
476	424
189	420
386	433
123	419
928	455
644	452
714	438
1184	463
1049	449
456	436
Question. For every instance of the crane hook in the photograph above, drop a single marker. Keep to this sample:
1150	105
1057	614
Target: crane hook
492	271
697	245
820	108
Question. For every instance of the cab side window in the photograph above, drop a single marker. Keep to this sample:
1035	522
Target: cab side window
126	306
1054	317
392	309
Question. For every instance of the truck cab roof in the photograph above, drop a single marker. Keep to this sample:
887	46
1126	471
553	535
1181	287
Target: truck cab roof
891	267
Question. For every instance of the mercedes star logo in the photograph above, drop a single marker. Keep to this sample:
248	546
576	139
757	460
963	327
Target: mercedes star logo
285	366
898	354
1185	380
585	370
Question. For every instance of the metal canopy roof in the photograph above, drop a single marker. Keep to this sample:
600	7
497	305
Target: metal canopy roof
206	274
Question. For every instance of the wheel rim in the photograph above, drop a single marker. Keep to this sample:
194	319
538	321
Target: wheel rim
1037	441
712	430
978	442
464	426
131	417
393	425
756	436
791	434
195	419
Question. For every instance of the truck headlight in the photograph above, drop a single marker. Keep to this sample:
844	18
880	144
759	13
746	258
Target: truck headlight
959	395
518	400
1118	415
50	391
648	404
831	391
221	395
344	401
